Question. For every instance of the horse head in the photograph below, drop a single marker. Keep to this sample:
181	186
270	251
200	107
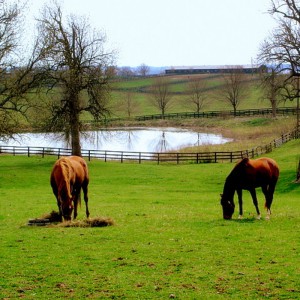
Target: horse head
66	205
228	207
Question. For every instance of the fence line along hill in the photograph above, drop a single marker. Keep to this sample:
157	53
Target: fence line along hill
163	157
205	114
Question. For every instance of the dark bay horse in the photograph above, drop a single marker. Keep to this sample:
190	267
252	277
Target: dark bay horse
248	174
68	176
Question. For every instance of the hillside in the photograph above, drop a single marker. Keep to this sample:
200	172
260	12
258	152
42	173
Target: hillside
138	90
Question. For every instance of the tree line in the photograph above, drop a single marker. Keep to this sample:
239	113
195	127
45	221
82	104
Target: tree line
67	70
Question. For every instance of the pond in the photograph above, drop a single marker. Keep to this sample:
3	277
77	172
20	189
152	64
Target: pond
120	139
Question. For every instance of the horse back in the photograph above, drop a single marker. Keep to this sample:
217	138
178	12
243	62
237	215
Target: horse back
80	169
252	173
266	167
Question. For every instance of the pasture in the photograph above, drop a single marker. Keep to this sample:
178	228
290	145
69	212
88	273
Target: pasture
141	87
169	241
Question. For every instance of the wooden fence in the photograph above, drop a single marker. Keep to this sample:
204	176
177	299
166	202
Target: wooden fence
213	114
139	157
205	114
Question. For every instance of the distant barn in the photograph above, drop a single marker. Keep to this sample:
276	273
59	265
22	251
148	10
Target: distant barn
211	70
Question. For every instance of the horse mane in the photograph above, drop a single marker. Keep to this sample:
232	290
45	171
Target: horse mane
234	176
244	161
66	174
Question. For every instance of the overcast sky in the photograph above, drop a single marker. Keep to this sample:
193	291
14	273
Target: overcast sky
177	32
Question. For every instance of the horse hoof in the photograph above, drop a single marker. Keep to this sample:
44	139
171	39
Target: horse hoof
268	218
240	217
258	217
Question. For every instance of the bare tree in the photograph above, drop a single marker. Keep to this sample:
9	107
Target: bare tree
160	94
74	62
273	89
196	93
234	88
282	48
128	103
125	72
14	81
143	70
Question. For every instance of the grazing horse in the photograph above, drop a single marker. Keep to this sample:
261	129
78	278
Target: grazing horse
248	174
68	176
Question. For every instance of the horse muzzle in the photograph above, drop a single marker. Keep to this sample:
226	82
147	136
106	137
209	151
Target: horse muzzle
227	217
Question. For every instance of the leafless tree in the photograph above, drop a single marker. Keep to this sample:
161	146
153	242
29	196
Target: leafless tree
74	62
14	80
160	94
143	70
196	93
273	89
234	87
125	72
128	103
282	48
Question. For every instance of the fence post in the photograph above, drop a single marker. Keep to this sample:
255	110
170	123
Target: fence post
158	158
140	157
28	151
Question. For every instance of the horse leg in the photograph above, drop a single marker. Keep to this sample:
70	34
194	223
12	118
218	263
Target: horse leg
255	202
240	197
59	209
268	192
86	200
55	192
75	201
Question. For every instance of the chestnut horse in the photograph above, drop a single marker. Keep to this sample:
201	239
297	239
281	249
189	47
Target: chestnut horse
248	174
68	176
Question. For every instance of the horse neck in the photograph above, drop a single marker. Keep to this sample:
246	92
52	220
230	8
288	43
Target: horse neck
229	188
66	177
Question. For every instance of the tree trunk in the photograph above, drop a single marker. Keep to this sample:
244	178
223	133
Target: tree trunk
274	107
75	136
75	124
234	110
298	172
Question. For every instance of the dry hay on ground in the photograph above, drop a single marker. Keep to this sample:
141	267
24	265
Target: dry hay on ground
53	217
91	222
54	220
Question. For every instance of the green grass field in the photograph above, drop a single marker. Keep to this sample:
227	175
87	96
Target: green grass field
178	83
141	104
169	241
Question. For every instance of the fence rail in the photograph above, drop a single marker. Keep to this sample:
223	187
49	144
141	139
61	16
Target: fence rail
212	114
172	157
206	114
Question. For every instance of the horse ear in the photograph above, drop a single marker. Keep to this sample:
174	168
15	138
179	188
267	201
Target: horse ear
245	160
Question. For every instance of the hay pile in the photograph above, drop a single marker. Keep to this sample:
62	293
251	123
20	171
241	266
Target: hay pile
53	219
91	222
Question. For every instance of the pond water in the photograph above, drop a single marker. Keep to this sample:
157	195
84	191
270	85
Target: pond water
132	139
